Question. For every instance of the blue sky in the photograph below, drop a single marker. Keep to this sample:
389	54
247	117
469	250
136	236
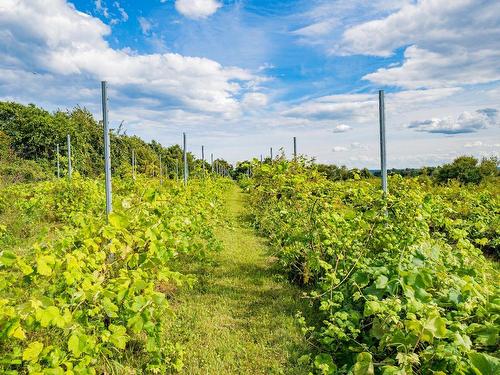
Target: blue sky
241	76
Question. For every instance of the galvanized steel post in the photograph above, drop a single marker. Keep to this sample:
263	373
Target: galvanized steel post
107	152
383	160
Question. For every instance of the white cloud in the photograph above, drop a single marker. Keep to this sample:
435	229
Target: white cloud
423	68
363	108
121	10
449	43
339	149
101	9
255	100
445	43
353	146
316	29
61	41
145	25
481	144
197	9
466	122
342	128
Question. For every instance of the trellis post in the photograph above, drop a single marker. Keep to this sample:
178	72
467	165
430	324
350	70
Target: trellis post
383	160
107	153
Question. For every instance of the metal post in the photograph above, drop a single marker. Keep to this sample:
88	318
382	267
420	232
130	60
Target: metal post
185	159
295	147
107	153
271	154
212	161
261	160
383	160
58	165
70	169
203	159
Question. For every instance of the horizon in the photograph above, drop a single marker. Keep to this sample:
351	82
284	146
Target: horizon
240	77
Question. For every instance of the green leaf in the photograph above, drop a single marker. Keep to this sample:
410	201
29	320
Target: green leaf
110	308
435	326
32	352
74	345
371	308
17	331
119	336
139	285
381	282
135	323
43	264
7	258
363	365
24	267
47	316
484	363
324	362
117	220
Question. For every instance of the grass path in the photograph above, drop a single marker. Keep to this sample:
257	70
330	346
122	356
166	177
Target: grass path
240	318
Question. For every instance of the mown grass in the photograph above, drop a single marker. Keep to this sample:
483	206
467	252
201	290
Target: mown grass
239	317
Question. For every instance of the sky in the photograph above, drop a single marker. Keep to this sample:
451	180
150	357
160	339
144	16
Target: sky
241	76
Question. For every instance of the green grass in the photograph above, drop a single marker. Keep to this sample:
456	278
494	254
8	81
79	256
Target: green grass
239	318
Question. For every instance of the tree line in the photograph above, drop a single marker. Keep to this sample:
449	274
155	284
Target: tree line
30	133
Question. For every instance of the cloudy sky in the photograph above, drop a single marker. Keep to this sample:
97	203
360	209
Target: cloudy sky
241	76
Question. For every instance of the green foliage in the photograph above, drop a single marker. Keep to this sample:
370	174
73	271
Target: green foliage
467	170
399	284
14	169
87	300
33	133
334	173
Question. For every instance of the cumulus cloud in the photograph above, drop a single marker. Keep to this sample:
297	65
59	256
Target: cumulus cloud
342	128
362	108
449	43
351	147
335	107
427	69
466	122
255	100
61	41
197	9
445	43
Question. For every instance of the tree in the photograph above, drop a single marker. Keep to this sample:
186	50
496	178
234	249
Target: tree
466	170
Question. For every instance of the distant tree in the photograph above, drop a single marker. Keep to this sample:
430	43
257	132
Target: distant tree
489	166
335	173
466	170
33	134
